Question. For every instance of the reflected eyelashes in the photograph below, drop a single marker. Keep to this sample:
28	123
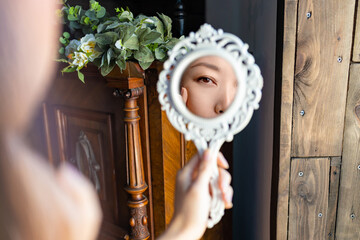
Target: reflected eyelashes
206	80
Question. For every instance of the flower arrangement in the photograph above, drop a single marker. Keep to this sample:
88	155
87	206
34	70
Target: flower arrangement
108	41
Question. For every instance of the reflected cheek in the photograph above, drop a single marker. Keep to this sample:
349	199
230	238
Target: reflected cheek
201	103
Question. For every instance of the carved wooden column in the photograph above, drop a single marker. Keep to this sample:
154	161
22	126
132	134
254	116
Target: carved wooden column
130	84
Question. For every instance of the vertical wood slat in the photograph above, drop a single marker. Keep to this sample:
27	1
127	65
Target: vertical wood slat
309	186
289	44
322	62
348	217
335	167
356	47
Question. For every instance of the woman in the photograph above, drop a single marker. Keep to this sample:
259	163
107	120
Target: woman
38	202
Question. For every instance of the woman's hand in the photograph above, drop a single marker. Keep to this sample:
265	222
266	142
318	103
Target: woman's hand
192	197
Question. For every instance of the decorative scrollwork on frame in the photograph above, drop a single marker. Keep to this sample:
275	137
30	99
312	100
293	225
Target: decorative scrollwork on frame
208	41
205	132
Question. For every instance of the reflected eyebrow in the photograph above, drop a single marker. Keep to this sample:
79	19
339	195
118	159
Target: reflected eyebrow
206	65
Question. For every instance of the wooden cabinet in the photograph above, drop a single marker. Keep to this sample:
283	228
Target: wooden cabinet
92	127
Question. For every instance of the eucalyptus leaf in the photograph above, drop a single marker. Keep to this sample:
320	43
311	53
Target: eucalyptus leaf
72	18
101	13
62	50
66	35
62	40
91	14
74	25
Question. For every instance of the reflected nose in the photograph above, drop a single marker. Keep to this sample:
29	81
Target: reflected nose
225	99
223	103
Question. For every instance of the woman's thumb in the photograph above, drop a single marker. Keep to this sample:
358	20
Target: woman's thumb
205	168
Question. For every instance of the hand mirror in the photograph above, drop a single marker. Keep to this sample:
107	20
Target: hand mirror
209	88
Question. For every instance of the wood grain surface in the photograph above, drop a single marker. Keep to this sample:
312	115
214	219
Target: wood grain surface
289	44
324	38
356	46
309	188
348	217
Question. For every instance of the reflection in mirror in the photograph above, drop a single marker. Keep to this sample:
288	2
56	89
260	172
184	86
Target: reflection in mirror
208	86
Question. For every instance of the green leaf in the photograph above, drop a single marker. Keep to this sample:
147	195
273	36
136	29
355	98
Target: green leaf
101	13
106	38
69	68
146	36
74	25
126	30
125	16
160	54
91	14
167	23
62	60
113	25
132	43
62	50
81	76
62	40
106	69
110	54
159	27
66	35
144	55
145	65
121	63
151	37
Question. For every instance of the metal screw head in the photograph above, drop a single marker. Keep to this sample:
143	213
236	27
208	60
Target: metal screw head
302	112
358	167
308	15
320	215
301	174
352	216
339	59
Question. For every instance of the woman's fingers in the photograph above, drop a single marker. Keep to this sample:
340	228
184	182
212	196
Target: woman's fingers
228	198
226	189
221	161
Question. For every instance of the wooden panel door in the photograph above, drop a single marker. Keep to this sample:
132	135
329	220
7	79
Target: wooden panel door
85	127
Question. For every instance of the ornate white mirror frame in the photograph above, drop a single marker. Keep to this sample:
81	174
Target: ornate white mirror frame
211	132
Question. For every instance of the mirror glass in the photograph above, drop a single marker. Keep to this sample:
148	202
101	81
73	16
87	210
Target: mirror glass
208	86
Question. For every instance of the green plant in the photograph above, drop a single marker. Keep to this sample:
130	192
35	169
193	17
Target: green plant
108	41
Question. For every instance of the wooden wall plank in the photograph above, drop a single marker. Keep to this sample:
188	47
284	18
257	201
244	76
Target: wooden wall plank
289	44
356	47
322	63
309	186
335	167
348	217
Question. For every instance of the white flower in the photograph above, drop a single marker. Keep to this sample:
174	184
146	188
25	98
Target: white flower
80	59
119	44
71	48
87	45
148	20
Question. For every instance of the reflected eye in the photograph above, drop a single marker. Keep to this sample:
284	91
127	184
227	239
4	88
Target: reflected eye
206	80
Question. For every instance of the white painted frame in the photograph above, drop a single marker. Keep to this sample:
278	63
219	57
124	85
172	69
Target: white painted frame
211	133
